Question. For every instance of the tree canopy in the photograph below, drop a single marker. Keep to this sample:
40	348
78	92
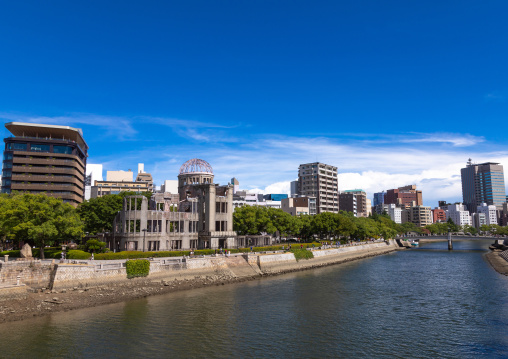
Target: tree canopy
263	220
99	213
38	219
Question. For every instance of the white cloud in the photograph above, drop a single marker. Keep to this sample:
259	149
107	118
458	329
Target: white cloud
118	127
459	140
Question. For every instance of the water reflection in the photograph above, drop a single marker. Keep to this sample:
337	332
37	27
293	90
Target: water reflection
424	303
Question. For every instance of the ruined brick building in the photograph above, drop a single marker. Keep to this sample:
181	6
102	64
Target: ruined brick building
200	216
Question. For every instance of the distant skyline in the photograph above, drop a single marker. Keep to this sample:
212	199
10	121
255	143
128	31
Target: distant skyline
392	93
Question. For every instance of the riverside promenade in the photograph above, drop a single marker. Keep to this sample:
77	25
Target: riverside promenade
47	287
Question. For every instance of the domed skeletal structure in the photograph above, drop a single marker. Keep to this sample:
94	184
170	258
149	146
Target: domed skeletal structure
196	165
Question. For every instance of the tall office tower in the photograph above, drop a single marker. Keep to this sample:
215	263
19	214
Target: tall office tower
293	189
483	183
320	181
45	159
379	198
404	196
354	201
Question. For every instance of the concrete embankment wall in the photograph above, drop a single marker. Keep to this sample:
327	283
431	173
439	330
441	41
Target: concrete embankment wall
282	263
100	273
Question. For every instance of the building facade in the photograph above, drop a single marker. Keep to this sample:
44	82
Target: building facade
93	173
490	213
199	217
438	215
320	181
46	159
379	198
483	183
404	196
459	214
299	206
421	216
354	201
122	181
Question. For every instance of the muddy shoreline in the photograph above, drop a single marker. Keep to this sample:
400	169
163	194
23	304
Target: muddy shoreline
44	302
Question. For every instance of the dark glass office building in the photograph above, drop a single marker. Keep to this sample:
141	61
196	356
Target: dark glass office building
45	159
483	183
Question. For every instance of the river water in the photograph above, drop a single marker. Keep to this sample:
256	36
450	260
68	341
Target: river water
421	303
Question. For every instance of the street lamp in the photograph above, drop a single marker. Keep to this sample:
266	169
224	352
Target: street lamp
144	236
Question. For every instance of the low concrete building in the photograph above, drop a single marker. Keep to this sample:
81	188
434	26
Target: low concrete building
299	206
122	181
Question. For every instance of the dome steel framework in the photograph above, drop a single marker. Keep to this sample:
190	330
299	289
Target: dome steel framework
196	165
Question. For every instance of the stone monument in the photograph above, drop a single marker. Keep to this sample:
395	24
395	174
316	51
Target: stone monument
26	251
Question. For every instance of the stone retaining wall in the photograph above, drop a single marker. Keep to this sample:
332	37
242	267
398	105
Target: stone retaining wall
33	273
100	273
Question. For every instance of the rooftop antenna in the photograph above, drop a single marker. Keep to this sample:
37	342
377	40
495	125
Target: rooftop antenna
470	162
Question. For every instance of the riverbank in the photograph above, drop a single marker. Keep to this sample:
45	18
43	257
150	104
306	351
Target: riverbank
497	262
201	272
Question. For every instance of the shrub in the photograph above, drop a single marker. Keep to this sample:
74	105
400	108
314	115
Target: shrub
137	268
12	254
302	254
95	246
77	254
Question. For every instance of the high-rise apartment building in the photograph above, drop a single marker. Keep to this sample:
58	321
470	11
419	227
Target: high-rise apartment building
483	183
46	159
404	196
354	201
421	216
319	180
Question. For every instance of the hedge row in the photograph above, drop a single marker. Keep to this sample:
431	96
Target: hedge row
137	268
77	254
54	252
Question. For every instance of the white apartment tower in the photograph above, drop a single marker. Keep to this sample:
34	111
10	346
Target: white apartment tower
319	180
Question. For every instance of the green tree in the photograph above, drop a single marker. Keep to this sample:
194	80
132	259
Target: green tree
40	220
95	246
452	227
324	224
244	220
98	213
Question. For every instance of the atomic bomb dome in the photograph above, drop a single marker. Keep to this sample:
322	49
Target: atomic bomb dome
196	165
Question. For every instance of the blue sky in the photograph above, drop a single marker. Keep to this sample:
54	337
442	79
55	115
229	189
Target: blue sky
390	92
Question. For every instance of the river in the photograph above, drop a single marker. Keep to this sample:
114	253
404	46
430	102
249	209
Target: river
419	303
